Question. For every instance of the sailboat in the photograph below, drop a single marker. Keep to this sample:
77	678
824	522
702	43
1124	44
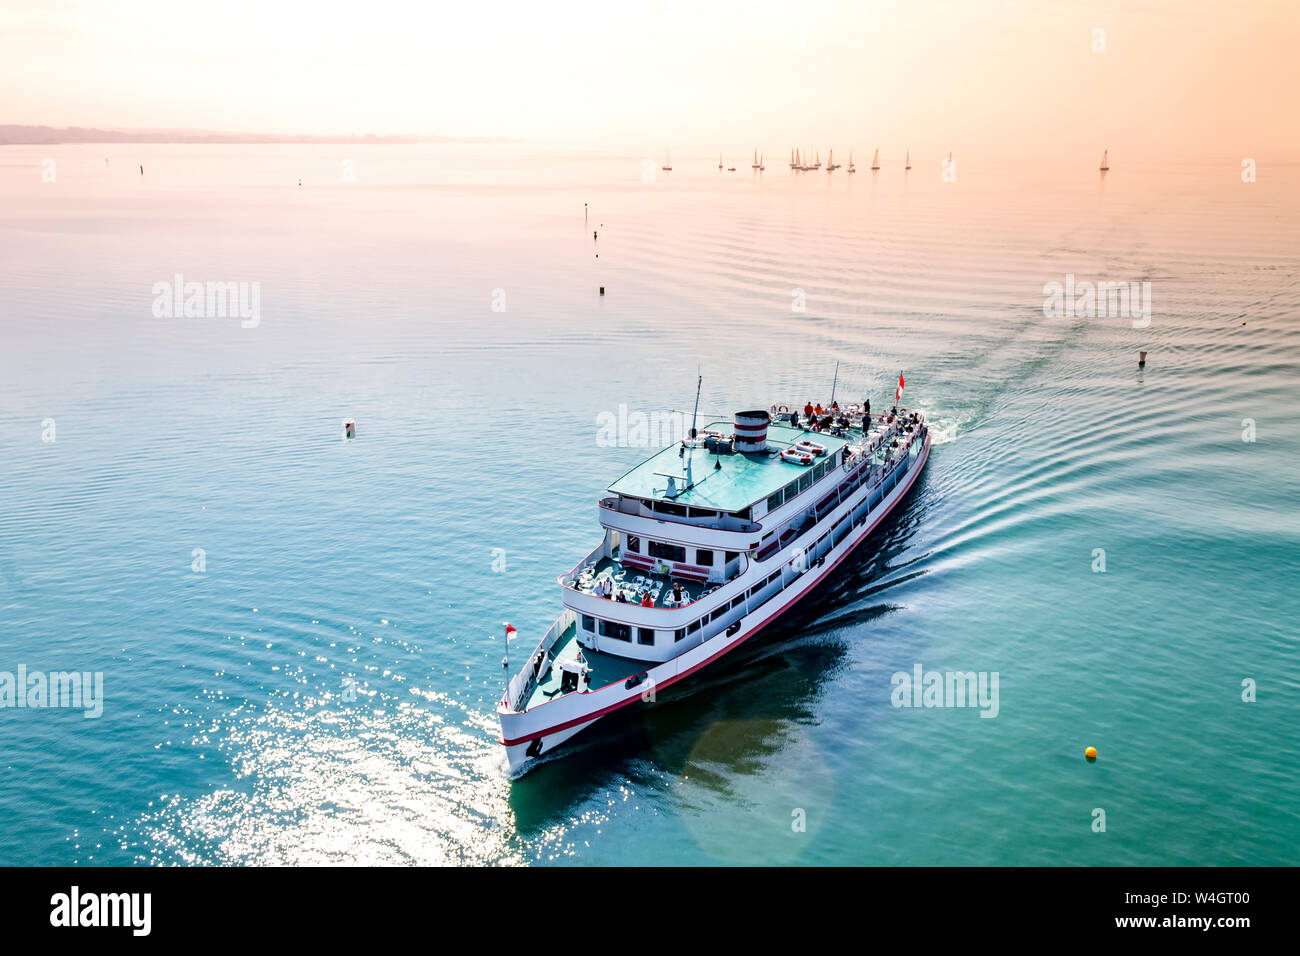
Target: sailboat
668	163
875	160
719	160
793	162
754	165
830	162
1105	160
908	162
818	163
761	167
851	169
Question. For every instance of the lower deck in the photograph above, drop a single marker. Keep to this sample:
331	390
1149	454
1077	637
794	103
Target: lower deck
602	668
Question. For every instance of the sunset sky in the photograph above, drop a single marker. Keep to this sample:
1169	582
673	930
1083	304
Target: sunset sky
1176	80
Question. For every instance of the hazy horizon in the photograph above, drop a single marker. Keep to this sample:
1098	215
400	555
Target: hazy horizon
1193	80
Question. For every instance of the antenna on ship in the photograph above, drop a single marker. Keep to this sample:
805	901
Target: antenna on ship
834	381
698	384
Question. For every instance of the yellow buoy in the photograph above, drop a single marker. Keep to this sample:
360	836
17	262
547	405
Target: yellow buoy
1091	753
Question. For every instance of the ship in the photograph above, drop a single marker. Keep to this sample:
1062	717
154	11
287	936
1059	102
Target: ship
705	544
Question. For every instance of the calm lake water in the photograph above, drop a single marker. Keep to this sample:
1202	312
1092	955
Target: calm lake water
300	635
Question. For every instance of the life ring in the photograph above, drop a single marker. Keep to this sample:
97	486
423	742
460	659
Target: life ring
810	447
781	409
796	457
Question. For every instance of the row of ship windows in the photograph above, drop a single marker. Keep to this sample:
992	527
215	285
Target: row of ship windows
646	635
675	552
802	483
680	511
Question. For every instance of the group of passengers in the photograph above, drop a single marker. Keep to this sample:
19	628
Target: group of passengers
831	419
605	589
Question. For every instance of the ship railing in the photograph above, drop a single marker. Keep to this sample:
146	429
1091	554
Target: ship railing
524	683
570	578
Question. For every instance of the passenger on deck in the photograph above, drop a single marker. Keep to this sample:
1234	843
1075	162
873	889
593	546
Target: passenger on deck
818	410
537	662
835	406
808	410
605	588
677	592
647	600
794	419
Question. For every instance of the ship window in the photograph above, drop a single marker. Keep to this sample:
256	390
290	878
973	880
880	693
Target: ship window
731	556
693	627
633	543
588	622
680	635
703	513
805	481
668	552
773	576
819	471
791	490
774	501
619	632
743	514
670	509
645	635
705	558
739	601
719	612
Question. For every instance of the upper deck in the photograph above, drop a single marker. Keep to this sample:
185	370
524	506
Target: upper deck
742	480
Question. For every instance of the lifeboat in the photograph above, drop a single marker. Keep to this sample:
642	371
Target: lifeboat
797	456
810	447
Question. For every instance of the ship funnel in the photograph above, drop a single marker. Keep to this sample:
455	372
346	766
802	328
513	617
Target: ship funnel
751	431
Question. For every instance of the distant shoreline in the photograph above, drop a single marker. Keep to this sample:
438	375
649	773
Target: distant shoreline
18	135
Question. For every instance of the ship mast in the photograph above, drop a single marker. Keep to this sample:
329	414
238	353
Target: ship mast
690	477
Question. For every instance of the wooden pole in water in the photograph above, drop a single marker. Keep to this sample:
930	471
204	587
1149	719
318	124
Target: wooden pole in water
1142	359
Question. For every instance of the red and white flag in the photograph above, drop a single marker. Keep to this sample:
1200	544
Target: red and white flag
511	631
898	395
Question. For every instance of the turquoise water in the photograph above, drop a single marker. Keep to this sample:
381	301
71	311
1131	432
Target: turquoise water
323	690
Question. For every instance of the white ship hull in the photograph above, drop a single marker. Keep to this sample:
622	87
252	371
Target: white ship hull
530	732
